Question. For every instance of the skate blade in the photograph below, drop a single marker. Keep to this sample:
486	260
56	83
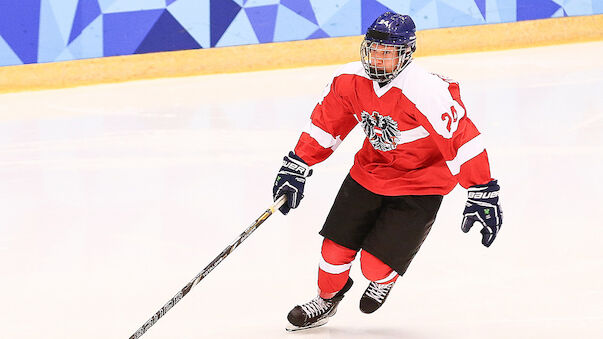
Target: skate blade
293	328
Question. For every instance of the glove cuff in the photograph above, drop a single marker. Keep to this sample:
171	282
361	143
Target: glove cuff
485	193
493	183
297	165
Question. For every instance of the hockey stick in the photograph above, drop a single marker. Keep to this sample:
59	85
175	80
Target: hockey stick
163	310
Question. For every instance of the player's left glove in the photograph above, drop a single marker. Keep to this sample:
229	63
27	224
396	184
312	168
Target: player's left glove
482	206
290	181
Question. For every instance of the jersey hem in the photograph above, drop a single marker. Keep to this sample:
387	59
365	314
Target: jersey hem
367	182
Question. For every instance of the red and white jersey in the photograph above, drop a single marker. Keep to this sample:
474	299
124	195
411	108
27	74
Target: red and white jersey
419	138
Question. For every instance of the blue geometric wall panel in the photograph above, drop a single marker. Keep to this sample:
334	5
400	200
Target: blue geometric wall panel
52	41
86	44
526	9
19	27
222	13
346	21
124	32
119	6
7	54
303	8
167	35
86	12
36	31
194	16
263	19
481	4
239	32
286	19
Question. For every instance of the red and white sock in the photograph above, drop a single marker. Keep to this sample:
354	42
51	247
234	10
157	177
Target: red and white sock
376	270
334	268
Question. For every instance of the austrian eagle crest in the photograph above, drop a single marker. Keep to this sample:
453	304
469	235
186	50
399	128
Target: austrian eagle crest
382	131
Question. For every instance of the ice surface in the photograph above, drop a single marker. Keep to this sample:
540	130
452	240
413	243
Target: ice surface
113	197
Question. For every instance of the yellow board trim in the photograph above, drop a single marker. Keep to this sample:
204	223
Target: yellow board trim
292	54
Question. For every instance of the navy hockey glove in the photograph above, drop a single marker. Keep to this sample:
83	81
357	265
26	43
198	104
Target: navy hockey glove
290	180
482	206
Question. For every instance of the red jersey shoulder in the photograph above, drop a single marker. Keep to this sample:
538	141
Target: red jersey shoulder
342	79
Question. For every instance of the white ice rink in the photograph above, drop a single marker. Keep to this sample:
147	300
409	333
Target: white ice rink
113	197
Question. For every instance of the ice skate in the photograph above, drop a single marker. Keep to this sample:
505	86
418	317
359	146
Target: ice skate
315	312
375	296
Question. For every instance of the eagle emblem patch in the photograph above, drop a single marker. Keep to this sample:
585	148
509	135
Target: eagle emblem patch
382	131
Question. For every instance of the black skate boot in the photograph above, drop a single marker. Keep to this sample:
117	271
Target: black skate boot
374	296
316	312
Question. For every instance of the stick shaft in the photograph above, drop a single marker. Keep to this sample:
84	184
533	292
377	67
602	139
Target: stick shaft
174	300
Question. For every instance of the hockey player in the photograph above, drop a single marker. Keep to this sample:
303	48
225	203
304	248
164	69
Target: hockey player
419	144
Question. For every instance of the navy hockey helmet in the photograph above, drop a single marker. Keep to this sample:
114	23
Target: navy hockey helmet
388	46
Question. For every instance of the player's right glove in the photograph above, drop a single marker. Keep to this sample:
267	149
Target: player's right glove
290	180
482	206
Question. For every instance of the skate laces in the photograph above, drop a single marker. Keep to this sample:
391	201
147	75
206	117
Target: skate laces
378	291
315	307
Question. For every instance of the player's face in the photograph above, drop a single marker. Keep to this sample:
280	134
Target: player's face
384	57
